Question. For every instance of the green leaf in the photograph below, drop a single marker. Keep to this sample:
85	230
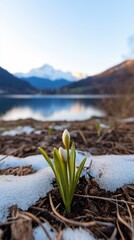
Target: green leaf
77	176
61	171
47	158
72	163
57	176
57	161
80	168
60	186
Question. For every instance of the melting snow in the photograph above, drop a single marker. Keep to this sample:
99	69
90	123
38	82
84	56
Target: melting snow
39	233
77	234
37	161
23	191
20	130
113	171
110	171
59	127
68	233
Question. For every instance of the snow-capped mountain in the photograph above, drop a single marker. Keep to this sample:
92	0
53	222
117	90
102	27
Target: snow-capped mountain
48	72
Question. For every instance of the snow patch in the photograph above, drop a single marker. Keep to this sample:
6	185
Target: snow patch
68	233
77	234
37	161
110	171
59	127
23	191
20	130
39	233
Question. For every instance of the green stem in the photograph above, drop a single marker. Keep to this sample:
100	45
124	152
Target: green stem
68	165
68	208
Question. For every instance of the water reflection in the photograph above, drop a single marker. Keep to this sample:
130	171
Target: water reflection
48	108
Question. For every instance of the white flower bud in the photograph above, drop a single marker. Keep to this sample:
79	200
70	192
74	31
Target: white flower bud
63	154
66	139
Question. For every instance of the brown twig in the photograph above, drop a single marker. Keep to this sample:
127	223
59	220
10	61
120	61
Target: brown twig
46	211
114	233
120	232
31	216
75	223
120	219
104	198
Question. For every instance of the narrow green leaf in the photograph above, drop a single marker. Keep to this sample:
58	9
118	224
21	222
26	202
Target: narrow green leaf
61	170
78	173
57	161
60	186
72	163
55	173
57	176
46	157
77	176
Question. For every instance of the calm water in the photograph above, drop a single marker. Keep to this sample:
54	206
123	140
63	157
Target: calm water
49	108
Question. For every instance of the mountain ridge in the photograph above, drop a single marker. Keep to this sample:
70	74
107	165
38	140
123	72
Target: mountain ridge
43	84
9	84
111	81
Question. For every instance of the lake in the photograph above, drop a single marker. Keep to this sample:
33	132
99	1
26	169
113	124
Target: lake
50	107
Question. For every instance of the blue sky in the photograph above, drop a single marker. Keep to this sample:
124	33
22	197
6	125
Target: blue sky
72	35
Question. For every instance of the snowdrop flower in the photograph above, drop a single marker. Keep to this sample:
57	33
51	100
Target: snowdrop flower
64	169
63	154
66	139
